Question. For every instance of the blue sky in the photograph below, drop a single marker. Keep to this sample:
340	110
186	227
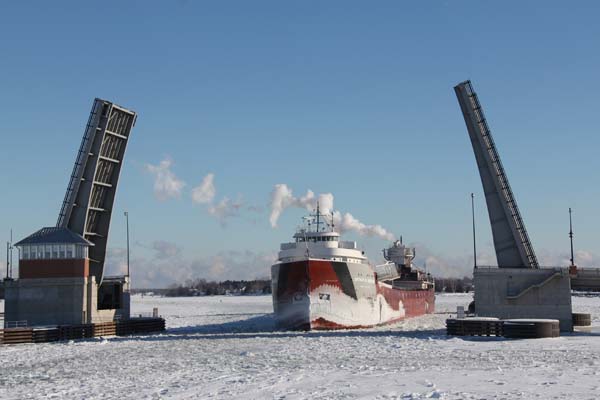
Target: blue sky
351	98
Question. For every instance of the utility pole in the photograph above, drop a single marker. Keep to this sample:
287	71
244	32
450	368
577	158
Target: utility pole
571	237
474	239
11	254
7	259
127	222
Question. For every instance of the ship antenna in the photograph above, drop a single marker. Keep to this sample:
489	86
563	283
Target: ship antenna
332	222
318	215
571	237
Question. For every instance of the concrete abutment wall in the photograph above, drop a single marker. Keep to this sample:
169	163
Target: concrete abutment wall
510	293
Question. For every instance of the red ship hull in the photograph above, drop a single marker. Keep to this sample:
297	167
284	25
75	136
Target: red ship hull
321	294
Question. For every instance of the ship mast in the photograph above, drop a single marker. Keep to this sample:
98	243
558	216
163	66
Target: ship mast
318	215
571	237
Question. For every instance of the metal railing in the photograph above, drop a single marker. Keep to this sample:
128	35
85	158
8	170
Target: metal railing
143	315
80	161
15	324
520	267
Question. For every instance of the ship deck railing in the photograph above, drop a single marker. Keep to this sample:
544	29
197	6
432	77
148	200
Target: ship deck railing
519	267
401	284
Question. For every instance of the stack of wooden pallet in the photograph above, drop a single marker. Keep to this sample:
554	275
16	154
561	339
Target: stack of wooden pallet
509	328
474	327
16	335
133	326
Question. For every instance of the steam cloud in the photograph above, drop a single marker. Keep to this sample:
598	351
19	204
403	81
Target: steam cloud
282	197
166	184
347	222
205	192
225	208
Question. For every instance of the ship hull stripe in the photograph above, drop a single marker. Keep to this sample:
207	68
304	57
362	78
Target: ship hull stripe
345	279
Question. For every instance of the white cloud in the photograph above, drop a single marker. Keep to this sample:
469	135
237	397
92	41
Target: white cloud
115	262
224	209
206	191
205	194
165	250
451	266
553	258
168	265
166	184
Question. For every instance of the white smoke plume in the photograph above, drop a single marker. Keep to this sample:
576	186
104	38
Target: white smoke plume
166	184
347	222
205	192
282	197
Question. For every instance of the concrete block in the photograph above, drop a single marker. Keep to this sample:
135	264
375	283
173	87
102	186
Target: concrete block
510	293
59	301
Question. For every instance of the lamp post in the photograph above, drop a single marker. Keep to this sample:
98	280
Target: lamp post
7	260
474	240
11	254
571	237
127	222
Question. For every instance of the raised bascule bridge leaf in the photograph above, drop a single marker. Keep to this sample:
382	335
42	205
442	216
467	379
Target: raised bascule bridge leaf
90	196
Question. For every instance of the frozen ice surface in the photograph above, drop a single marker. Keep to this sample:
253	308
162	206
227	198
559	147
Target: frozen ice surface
227	347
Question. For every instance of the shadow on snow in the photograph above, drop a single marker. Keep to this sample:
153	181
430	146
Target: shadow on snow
265	326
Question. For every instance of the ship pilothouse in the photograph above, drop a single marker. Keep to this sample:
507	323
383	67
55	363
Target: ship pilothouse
317	239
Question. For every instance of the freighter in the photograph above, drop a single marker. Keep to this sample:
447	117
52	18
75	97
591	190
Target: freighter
322	282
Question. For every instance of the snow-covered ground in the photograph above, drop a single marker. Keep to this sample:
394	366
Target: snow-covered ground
226	347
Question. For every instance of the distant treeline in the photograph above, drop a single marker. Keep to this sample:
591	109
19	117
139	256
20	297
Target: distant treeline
202	287
453	285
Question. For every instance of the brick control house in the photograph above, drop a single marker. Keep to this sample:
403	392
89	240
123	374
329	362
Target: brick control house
54	253
55	286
